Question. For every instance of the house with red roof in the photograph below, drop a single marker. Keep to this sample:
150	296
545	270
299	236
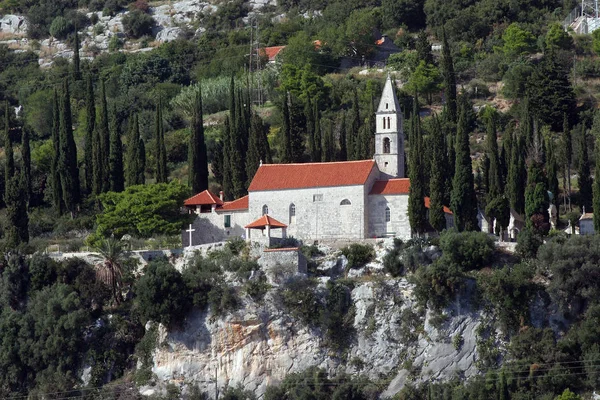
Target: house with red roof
314	201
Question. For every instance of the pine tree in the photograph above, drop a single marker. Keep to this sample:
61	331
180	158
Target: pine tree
76	60
162	175
417	213
90	122
115	158
67	162
227	173
494	179
583	172
463	199
103	137
286	156
26	159
449	77
343	155
56	184
197	156
438	163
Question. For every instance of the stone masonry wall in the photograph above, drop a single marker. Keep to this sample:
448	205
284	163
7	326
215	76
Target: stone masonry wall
399	224
210	227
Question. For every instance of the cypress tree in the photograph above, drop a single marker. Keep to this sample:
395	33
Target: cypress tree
463	199
552	174
227	173
417	213
328	148
136	155
103	172
568	159
494	179
217	163
8	148
583	172
17	231
310	129
437	218
26	159
535	193
423	48
343	155
162	175
117	178
90	122
67	162
141	160
197	156
56	184
253	155
76	60
516	180
596	185
263	145
286	156
449	80
355	128
296	128
236	165
318	135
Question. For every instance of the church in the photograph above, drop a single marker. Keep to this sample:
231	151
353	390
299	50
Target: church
318	201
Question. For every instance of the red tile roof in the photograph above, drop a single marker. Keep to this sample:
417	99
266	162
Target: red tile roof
235	205
391	186
264	221
298	176
205	198
271	52
446	209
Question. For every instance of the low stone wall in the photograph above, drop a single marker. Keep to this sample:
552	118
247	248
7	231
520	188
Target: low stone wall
281	264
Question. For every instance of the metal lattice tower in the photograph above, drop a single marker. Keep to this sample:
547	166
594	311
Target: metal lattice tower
585	18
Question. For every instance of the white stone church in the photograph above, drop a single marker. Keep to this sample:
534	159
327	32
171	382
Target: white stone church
315	201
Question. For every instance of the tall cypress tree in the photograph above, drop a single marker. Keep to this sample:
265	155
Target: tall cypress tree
583	172
596	185
343	155
310	129
535	193
197	156
354	139
67	162
56	184
494	179
141	160
263	143
463	199
516	180
449	80
26	159
423	48
253	155
236	165
417	213
437	183
161	152
217	162
103	137
227	173
134	157
8	148
117	178
90	122
76	60
328	148
568	159
286	156
318	135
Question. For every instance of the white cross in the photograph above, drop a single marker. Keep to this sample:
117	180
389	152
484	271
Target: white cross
190	231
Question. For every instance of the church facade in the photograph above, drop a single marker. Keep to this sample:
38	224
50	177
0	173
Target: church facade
315	201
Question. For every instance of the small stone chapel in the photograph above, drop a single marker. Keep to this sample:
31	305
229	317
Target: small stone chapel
315	201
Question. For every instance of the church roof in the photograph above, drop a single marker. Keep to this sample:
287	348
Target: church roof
265	221
391	186
235	205
309	175
389	102
205	198
398	186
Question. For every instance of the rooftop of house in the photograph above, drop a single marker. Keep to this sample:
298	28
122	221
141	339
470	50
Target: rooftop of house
205	198
310	175
265	221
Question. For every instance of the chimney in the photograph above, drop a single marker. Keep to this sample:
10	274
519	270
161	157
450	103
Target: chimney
221	195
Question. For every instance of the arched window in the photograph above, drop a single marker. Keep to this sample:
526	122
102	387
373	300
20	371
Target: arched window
292	213
383	122
386	145
388	214
345	202
389	122
265	209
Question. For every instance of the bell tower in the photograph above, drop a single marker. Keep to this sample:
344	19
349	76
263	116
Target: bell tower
389	134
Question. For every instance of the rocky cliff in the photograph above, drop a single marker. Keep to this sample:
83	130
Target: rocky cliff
259	344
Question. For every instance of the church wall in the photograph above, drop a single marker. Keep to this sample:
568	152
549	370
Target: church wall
210	227
398	226
324	219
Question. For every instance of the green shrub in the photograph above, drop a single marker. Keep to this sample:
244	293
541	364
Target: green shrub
200	275
337	315
528	243
358	254
144	351
115	43
137	24
311	251
222	299
300	299
236	245
60	27
161	294
468	250
438	283
257	288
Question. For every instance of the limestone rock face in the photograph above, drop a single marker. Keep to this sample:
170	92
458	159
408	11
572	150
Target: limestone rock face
260	344
13	24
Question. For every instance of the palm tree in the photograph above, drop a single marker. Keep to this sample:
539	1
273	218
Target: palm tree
112	254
